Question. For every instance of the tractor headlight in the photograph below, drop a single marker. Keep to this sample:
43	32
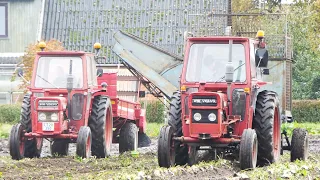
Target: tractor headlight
212	117
197	116
42	117
54	117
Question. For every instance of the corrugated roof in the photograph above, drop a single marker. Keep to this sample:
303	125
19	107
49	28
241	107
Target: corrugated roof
10	58
79	24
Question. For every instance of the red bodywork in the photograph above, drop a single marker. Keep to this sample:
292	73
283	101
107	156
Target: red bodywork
122	110
218	132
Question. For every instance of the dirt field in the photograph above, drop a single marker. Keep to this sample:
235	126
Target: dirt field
117	167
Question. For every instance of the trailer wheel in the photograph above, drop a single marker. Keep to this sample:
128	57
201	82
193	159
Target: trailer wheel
248	149
128	137
16	143
32	147
59	147
181	150
84	142
267	124
166	147
101	124
299	144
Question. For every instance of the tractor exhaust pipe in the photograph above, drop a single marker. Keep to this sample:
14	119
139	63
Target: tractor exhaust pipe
229	71
69	88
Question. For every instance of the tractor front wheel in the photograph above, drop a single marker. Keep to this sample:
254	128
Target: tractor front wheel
192	155
128	137
248	149
101	124
299	144
166	147
59	147
16	143
84	142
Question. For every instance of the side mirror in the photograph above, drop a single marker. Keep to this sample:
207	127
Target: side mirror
261	58
142	94
229	72
99	72
20	72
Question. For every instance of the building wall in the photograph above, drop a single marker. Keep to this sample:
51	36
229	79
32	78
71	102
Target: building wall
23	25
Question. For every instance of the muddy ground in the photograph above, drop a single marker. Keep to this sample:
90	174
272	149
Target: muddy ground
115	166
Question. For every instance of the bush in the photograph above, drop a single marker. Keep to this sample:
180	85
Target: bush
306	111
155	111
10	113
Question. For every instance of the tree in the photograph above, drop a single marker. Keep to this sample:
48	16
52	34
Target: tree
30	55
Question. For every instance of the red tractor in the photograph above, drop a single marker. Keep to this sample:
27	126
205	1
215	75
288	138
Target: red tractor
219	106
66	105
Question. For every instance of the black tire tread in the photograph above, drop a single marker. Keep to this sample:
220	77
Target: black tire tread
127	137
30	147
164	144
175	121
96	123
14	142
263	124
299	144
81	147
246	144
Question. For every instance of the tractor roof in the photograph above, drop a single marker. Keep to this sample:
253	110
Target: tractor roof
62	53
218	38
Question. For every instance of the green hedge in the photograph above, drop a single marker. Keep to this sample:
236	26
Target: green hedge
306	110
155	111
9	113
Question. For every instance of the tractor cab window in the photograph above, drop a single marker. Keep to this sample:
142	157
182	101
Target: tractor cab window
52	72
207	62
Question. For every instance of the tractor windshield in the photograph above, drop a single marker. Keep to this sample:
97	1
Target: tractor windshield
52	72
207	62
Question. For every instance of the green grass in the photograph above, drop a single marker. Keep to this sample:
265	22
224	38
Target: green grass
5	130
153	129
312	128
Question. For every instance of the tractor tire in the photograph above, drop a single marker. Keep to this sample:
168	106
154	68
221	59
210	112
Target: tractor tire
192	155
128	137
166	151
267	123
181	157
59	147
101	124
32	147
84	142
143	140
299	144
16	144
248	149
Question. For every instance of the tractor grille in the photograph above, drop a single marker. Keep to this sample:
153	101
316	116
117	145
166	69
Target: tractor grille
46	104
204	101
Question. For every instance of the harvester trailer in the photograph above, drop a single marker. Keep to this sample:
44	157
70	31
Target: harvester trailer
65	105
219	99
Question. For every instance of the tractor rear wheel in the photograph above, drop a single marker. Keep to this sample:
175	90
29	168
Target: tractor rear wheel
192	155
248	149
128	137
166	147
101	124
181	150
299	144
16	143
84	142
33	146
267	125
59	147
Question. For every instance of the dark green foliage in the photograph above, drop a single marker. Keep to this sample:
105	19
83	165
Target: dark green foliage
155	111
306	111
10	113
